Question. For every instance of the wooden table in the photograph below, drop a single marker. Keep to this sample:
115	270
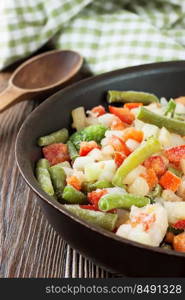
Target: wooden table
29	246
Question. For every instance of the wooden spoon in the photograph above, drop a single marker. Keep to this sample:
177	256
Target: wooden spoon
44	72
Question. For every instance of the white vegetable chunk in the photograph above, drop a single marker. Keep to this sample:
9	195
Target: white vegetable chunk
139	187
147	225
175	211
150	130
129	179
169	195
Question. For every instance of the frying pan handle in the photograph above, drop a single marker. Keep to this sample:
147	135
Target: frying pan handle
9	96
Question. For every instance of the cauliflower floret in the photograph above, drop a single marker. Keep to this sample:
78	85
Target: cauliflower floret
81	162
147	225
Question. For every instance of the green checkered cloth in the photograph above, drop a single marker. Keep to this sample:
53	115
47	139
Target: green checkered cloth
108	34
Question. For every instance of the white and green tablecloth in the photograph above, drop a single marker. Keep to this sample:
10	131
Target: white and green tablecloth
110	34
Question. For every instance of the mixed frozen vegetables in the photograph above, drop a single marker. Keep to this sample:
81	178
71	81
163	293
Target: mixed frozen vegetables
122	169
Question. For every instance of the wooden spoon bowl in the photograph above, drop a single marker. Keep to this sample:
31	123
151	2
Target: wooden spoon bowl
40	74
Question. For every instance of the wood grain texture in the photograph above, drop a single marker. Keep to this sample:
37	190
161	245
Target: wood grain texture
29	246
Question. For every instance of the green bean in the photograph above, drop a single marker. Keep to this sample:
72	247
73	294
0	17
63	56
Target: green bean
43	176
145	150
131	96
73	153
152	118
101	184
170	109
59	136
110	201
58	178
104	220
73	196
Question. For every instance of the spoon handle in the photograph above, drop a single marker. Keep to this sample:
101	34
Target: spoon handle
9	96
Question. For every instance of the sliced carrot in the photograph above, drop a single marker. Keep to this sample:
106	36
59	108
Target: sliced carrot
150	177
123	113
156	163
118	125
132	105
86	147
74	181
99	110
179	242
119	157
170	181
134	134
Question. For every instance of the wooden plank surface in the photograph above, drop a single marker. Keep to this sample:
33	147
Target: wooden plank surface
29	246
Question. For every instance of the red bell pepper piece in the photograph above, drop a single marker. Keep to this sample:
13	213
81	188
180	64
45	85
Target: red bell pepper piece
133	105
99	110
179	224
86	147
123	113
56	153
156	163
175	154
170	181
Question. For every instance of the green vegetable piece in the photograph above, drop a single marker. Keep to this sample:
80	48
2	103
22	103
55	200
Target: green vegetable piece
131	96
104	220
73	153
58	178
43	176
101	184
175	171
174	230
73	196
91	133
172	125
145	150
170	109
110	201
155	193
60	136
178	116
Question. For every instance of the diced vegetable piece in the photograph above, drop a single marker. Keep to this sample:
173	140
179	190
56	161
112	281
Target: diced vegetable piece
139	187
132	145
108	170
91	133
124	200
118	144
107	119
150	130
73	196
180	100
99	110
95	196
175	210
93	171
134	134
79	118
117	124
170	109
104	220
132	105
74	181
169	195
150	178
123	113
170	181
137	157
129	179
81	162
175	154
179	242
58	178
86	147
156	192
43	176
181	189
73	153
152	118
164	137
179	224
59	136
56	153
131	96
119	157
156	163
